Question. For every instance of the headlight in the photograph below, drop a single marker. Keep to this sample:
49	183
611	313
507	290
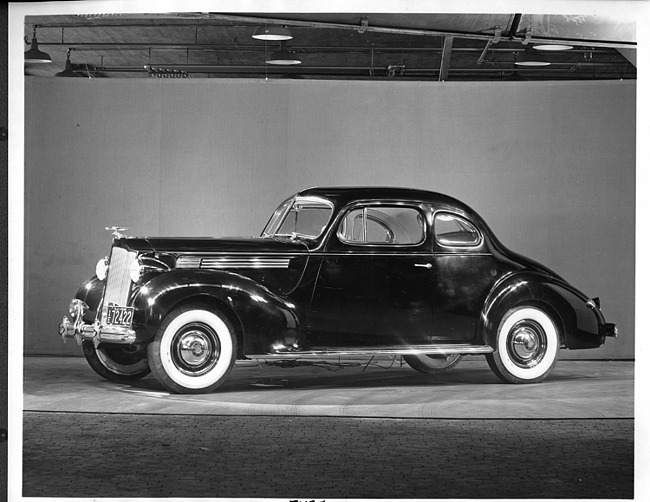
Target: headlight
146	265
136	270
101	268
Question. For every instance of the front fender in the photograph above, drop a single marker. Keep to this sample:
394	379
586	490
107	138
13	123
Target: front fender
266	322
577	322
91	293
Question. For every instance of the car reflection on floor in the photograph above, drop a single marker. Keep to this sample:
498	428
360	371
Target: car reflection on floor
383	388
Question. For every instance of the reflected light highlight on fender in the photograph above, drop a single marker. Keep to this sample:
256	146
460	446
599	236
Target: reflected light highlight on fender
503	292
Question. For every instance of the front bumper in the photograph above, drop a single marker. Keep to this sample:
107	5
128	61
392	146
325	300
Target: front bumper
95	332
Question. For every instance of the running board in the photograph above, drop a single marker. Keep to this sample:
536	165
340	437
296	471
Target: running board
450	348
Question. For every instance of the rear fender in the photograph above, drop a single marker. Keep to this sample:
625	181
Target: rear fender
578	324
586	332
266	322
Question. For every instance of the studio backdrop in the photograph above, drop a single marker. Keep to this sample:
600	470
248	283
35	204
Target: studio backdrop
549	165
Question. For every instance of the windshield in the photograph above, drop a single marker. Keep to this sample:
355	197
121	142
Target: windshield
300	217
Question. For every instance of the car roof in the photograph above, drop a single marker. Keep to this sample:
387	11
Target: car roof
346	195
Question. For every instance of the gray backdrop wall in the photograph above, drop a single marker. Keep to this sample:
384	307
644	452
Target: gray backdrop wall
550	166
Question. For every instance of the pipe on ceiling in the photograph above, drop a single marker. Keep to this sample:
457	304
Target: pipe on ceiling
372	28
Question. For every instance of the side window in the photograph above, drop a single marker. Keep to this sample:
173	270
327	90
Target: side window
452	230
392	225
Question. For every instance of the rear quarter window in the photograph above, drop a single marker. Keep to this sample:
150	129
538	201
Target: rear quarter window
452	230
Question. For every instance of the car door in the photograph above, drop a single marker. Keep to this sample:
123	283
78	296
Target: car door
464	271
374	287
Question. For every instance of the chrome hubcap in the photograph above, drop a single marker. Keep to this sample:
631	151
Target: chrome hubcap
527	343
196	349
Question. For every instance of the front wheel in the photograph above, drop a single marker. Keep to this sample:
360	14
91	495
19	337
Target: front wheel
193	350
527	346
432	363
117	362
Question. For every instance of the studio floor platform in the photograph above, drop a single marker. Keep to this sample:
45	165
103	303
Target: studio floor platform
383	388
360	431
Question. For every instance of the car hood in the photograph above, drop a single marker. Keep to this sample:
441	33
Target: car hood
278	264
220	245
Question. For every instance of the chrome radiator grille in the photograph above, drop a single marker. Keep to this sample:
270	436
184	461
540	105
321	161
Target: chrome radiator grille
118	282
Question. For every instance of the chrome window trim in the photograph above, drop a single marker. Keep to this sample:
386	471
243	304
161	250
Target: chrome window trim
365	205
298	200
481	238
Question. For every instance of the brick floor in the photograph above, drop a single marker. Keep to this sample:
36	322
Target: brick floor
305	458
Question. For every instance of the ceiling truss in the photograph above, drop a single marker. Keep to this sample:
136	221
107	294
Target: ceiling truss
335	46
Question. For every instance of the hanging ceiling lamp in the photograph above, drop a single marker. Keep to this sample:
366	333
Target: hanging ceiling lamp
283	56
34	55
552	47
531	59
273	33
68	71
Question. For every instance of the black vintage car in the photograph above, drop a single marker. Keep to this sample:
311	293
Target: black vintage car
336	271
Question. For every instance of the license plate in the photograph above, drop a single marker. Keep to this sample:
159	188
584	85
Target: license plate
119	316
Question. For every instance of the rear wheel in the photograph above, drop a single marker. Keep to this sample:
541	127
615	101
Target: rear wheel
527	346
432	363
193	350
117	362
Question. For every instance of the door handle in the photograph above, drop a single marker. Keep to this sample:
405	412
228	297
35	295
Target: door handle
424	265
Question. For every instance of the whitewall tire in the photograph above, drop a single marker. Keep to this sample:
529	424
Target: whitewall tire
193	350
527	346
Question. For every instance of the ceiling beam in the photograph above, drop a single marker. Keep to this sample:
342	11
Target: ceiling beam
629	54
514	26
411	31
446	59
355	27
203	68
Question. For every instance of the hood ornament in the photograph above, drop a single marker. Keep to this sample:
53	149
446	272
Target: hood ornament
117	232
